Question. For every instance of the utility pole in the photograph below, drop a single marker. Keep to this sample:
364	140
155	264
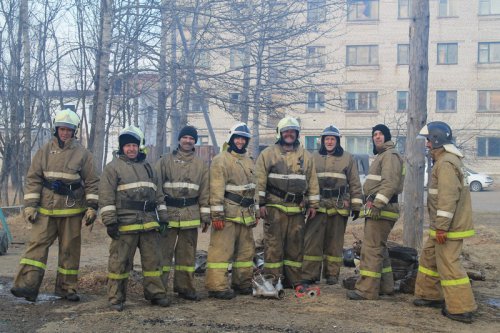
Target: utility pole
413	196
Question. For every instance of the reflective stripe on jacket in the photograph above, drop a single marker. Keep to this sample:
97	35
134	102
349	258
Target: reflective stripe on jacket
335	172
125	180
292	172
385	179
185	175
234	173
70	164
448	200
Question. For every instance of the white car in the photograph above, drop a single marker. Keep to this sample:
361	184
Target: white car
477	181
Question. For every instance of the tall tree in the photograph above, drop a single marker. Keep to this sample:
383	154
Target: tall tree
417	116
97	132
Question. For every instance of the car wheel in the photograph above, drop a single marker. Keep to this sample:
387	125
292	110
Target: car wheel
475	186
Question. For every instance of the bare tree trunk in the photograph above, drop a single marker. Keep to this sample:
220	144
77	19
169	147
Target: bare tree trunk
161	117
28	116
97	134
417	116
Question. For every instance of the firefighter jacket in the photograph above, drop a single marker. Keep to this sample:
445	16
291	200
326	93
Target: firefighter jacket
448	200
232	188
62	181
338	179
128	195
185	181
291	173
385	181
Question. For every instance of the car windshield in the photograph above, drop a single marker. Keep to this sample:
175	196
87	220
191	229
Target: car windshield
471	171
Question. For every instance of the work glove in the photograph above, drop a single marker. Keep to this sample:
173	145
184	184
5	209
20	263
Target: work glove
112	230
90	216
30	214
163	228
354	214
441	236
218	224
374	213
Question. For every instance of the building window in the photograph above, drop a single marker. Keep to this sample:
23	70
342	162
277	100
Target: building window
403	54
489	7
237	58
315	101
362	10
359	144
488	100
403	101
488	147
202	140
315	56
446	8
446	101
197	103
362	55
447	53
362	101
234	102
202	59
313	142
489	53
316	11
404	9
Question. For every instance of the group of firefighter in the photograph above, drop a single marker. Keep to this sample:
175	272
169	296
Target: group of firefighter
303	199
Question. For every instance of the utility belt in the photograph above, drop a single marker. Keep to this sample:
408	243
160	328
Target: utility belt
180	202
286	196
327	193
57	186
394	198
145	206
242	201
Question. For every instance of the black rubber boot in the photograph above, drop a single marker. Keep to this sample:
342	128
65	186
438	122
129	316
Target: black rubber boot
163	302
428	303
225	294
189	295
353	295
461	317
28	294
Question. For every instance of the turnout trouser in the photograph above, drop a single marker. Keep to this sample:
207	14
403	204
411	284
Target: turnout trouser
440	273
323	244
121	262
375	267
284	245
181	244
44	232
233	244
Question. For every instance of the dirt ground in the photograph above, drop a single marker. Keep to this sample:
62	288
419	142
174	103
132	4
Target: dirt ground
329	312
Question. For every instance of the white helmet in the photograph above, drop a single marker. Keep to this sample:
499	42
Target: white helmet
285	124
66	118
134	133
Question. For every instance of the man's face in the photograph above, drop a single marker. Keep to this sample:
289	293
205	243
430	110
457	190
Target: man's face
64	133
239	142
289	136
131	150
428	144
378	139
186	143
330	143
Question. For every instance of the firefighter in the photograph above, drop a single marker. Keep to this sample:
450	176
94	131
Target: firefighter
128	203
61	189
185	183
383	184
232	205
341	196
287	185
441	280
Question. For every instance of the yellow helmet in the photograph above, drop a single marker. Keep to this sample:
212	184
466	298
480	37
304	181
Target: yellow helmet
131	134
285	124
67	118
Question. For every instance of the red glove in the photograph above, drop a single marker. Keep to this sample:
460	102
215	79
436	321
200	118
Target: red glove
218	224
441	236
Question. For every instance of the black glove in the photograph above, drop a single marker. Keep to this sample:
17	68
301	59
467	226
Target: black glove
163	228
112	230
354	214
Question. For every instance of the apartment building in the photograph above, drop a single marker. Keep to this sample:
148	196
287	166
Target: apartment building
370	54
